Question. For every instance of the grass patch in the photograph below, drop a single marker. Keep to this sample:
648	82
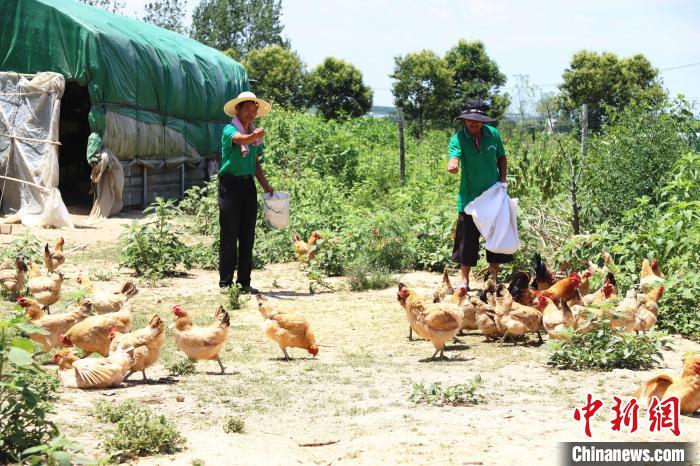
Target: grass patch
234	425
362	276
455	395
137	431
181	366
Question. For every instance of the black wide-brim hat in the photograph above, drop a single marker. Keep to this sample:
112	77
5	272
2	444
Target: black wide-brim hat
475	114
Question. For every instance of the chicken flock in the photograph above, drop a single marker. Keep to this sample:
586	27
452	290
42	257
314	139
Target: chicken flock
531	303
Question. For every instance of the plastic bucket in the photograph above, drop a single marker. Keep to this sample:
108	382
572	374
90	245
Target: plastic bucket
276	209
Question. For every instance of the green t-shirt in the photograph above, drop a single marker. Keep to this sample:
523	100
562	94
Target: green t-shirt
479	170
232	161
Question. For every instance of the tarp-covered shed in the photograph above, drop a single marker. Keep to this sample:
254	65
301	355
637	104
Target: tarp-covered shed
148	95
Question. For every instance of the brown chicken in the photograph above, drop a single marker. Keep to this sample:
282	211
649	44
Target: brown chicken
288	329
513	319
5	264
34	270
650	276
564	289
75	372
648	310
624	314
46	290
105	302
584	287
13	280
606	293
56	325
201	343
305	251
469	305
92	334
686	387
54	259
147	341
554	320
437	322
445	289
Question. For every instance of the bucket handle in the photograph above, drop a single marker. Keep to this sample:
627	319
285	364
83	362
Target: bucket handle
267	206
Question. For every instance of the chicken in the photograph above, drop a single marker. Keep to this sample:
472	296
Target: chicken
46	290
650	276
104	302
648	310
554	320
585	286
686	387
624	314
437	322
305	251
34	270
92	372
147	341
288	329
513	319
445	289
53	260
56	325
605	293
201	343
13	279
577	300
92	334
542	276
486	313
564	289
6	264
519	288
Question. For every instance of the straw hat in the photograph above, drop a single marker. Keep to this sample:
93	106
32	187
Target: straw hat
264	107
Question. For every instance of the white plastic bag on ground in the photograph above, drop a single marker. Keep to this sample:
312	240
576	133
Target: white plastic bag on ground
496	216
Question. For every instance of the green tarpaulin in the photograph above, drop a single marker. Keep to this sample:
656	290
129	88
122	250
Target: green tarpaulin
154	93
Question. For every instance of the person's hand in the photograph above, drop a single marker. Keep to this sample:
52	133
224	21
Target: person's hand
258	134
453	166
268	190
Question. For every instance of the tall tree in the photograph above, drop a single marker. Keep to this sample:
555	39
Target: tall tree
422	86
605	81
475	76
167	14
241	25
278	73
336	89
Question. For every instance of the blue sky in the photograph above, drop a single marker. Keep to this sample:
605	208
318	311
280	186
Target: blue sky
534	38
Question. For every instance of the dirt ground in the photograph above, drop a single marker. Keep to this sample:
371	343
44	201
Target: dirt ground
356	391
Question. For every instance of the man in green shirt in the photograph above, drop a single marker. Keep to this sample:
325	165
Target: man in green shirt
477	149
241	146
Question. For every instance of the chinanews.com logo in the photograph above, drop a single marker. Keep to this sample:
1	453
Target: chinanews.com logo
661	415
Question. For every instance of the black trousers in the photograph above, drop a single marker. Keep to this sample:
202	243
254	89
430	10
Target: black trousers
465	250
238	210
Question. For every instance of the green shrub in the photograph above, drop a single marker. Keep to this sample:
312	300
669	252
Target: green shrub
26	392
455	395
142	433
181	366
108	411
605	348
632	158
153	247
234	425
201	202
57	452
362	276
27	246
236	298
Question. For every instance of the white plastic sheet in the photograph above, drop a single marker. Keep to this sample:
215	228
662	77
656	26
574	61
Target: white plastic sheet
29	118
496	216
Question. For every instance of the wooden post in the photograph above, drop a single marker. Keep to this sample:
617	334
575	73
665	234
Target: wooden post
584	128
144	177
402	150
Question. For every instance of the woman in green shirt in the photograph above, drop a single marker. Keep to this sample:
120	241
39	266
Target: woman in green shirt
241	146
